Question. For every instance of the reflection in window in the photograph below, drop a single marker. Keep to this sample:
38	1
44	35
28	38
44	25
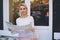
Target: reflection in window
13	10
40	12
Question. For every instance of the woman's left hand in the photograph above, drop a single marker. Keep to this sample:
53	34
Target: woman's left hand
30	28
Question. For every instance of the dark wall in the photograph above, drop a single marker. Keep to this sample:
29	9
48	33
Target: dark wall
1	14
56	15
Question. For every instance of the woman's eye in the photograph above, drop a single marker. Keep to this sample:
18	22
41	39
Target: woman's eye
20	8
23	8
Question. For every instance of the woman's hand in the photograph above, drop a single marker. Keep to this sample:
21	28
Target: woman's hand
33	29
30	29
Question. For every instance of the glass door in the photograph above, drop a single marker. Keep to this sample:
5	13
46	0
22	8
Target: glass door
41	10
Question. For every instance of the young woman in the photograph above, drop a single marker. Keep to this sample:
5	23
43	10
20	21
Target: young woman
26	24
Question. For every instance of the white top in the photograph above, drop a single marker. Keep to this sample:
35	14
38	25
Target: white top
25	21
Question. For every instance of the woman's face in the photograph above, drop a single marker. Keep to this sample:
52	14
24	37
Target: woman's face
23	10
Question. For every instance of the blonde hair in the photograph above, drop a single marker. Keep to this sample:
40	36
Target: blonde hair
22	4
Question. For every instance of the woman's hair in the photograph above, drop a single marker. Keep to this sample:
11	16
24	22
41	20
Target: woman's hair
22	4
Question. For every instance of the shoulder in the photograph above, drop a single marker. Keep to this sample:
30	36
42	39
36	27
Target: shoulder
31	17
17	19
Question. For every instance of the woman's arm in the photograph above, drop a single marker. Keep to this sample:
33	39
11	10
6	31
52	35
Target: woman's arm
32	23
32	26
